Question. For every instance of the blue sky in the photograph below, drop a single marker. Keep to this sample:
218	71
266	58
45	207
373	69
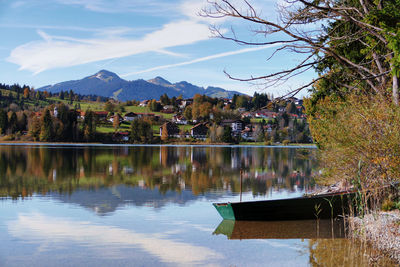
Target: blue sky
48	41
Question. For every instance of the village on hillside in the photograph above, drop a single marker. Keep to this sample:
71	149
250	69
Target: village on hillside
30	115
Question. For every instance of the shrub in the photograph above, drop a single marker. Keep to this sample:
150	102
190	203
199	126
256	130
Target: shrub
388	205
285	142
359	140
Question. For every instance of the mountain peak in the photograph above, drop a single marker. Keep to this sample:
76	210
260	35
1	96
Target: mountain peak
105	75
159	81
108	84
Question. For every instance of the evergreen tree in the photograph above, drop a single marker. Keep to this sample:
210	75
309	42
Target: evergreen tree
46	131
22	122
164	99
227	135
13	122
146	132
89	126
3	121
135	137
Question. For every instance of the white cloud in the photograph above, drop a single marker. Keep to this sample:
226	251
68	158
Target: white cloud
122	6
201	59
60	51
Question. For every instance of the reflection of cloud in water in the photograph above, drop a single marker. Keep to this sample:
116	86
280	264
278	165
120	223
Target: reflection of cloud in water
279	244
57	230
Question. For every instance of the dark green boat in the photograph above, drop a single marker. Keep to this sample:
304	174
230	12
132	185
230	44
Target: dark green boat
325	206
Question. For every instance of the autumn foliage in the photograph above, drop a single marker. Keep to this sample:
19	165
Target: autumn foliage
359	139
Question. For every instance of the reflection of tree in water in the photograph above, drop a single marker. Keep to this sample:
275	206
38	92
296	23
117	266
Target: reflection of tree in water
26	170
343	252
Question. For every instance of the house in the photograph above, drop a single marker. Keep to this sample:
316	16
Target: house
247	114
101	115
144	103
112	117
145	115
168	109
265	114
172	129
236	126
185	103
81	115
179	119
199	131
247	134
130	116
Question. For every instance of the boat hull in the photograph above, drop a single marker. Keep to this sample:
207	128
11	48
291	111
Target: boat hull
302	208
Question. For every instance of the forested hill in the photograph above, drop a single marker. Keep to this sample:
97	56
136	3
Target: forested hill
108	84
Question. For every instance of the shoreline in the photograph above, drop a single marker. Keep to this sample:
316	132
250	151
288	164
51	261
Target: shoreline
381	230
24	143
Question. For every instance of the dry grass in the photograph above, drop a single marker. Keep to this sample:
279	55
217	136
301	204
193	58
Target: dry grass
381	230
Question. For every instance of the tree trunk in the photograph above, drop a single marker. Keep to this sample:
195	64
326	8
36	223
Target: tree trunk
395	85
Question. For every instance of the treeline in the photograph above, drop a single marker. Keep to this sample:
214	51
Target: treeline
25	97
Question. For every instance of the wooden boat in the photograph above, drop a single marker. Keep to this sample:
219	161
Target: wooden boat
325	206
305	229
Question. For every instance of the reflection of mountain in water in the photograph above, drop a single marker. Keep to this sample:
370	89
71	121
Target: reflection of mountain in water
106	200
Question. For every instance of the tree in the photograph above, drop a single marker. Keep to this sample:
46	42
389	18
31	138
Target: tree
109	106
89	125
3	121
116	121
291	108
188	113
227	135
22	121
258	133
164	99
26	92
145	132
34	128
154	105
46	130
164	132
135	137
13	122
141	131
353	44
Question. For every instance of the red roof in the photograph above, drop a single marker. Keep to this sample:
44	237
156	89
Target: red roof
101	113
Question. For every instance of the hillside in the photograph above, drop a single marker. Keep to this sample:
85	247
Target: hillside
108	84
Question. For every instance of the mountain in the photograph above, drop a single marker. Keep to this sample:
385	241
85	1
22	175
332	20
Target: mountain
109	84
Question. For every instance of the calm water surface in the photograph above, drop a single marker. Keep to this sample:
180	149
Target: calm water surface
152	206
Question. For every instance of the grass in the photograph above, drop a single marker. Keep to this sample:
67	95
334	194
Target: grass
186	127
109	128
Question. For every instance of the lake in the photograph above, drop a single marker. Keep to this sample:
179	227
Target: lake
64	205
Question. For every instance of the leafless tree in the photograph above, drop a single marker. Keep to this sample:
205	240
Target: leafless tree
314	29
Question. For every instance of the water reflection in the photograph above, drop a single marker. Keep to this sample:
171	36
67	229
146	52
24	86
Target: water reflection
325	239
305	229
25	171
50	227
107	240
344	252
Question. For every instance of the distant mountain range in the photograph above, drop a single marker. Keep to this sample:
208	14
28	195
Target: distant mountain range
109	84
